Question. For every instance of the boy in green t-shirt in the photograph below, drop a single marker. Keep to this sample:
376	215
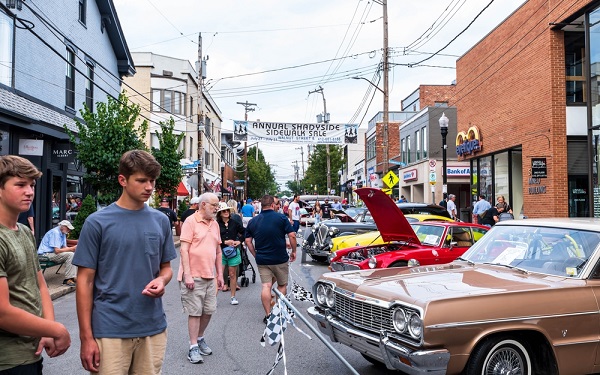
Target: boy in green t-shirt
27	323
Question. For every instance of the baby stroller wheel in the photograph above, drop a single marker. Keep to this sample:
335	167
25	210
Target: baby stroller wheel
245	282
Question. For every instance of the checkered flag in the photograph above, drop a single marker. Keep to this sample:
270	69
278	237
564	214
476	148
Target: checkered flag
278	358
301	294
276	325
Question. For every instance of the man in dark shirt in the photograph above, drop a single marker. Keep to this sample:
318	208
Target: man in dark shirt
326	209
265	238
26	218
190	211
164	208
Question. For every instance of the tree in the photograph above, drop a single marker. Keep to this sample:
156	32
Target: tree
261	179
316	174
88	207
106	135
168	157
295	187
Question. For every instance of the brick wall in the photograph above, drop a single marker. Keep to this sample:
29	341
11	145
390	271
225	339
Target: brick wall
512	86
393	142
430	94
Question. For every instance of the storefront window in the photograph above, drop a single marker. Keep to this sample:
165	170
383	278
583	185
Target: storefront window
485	178
501	172
516	199
594	40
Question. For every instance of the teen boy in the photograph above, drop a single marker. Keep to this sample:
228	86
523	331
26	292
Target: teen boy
123	258
26	313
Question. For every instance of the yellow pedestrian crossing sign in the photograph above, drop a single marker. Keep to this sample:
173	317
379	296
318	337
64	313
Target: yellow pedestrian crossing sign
390	179
387	191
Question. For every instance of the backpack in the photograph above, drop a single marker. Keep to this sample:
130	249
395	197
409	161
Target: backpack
482	214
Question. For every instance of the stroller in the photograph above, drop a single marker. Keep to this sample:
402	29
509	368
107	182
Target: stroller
245	266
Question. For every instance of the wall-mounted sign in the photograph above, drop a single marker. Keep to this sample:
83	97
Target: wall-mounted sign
33	147
62	153
468	143
537	187
326	133
538	168
458	171
409	175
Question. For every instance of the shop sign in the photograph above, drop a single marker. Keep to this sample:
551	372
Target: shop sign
458	171
410	175
33	147
539	168
537	188
468	143
62	153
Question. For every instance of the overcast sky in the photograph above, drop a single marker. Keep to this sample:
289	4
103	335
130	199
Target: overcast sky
296	46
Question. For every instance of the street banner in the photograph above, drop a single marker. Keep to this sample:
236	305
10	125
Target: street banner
255	131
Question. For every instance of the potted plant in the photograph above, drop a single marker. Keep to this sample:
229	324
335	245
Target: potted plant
88	207
183	206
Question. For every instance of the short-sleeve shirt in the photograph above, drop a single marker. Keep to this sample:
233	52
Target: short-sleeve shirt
451	206
248	210
170	214
54	238
326	209
295	208
19	265
204	238
268	231
126	249
24	216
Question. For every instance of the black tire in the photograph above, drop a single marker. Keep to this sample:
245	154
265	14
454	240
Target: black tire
400	263
246	281
373	361
319	258
500	355
253	278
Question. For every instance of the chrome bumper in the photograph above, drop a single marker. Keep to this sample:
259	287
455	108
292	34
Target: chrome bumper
394	355
321	252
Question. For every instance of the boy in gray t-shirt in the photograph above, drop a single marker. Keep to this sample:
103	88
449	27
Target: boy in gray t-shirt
123	258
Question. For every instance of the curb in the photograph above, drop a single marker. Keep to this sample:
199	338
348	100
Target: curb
63	289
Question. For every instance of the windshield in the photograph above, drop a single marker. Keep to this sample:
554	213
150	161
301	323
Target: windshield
428	234
555	251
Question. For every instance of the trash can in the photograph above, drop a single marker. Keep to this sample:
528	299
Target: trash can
465	215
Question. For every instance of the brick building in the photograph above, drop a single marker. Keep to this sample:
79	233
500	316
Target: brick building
527	101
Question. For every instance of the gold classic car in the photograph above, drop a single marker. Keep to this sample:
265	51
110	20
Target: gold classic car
522	300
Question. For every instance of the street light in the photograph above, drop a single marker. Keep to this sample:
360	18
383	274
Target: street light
444	130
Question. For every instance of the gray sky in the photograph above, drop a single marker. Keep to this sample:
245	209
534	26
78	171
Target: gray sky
307	44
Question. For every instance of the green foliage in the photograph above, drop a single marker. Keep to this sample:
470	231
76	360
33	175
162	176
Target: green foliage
316	174
107	134
261	179
88	207
295	187
183	206
168	157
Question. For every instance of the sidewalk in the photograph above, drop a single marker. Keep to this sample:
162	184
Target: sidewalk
54	280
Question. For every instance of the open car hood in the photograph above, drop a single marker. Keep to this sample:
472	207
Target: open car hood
390	221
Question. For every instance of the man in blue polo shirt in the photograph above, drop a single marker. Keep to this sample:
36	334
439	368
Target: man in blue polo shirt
265	238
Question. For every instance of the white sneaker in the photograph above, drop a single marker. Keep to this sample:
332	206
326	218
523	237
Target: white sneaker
234	301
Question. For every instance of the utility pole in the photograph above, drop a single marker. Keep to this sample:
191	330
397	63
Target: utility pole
248	107
386	94
200	70
302	153
325	120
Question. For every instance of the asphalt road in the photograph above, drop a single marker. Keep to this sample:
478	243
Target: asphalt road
233	334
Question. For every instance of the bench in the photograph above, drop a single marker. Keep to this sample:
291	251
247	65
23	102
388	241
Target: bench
45	262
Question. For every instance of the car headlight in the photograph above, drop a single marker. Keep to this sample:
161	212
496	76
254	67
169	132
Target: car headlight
413	263
330	243
329	297
372	262
333	231
321	294
330	257
415	326
315	227
400	320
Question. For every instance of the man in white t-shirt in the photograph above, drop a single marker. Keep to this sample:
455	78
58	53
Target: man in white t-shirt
451	206
294	213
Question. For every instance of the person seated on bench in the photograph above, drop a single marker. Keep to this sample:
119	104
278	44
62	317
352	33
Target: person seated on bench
54	246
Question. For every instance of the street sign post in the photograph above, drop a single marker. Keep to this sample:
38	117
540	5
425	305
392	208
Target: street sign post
390	179
432	163
387	191
432	177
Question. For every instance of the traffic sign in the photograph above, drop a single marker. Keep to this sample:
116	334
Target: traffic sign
390	179
387	191
432	178
432	163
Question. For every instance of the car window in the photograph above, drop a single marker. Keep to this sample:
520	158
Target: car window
556	251
428	234
478	233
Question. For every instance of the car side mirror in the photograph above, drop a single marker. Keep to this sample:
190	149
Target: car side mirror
453	243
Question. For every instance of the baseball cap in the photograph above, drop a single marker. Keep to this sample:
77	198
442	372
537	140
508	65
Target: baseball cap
195	200
67	224
164	200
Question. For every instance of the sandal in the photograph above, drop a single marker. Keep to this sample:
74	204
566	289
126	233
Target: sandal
226	289
69	282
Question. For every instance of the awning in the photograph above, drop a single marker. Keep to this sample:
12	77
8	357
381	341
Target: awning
182	191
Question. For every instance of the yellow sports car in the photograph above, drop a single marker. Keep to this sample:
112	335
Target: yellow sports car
374	238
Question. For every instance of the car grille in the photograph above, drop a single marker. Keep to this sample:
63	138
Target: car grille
321	235
366	315
339	266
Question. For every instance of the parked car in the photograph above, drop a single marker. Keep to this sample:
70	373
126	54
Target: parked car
318	242
522	300
374	238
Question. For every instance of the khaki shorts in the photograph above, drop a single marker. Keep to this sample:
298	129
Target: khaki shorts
202	299
278	271
140	355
